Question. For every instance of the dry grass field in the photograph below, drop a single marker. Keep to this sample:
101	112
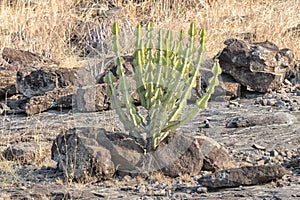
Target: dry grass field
46	26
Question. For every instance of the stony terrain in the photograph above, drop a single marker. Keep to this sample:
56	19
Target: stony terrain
271	135
246	145
254	114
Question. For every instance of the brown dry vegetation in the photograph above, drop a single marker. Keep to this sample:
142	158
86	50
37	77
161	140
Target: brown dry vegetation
45	27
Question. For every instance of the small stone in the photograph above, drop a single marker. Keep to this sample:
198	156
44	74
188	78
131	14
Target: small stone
271	102
127	178
142	189
265	158
260	162
279	158
259	147
287	82
201	190
207	124
274	153
3	108
280	104
285	98
234	104
264	102
289	154
248	159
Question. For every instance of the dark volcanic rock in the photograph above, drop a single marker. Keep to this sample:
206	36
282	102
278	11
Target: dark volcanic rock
81	157
18	60
87	99
180	154
184	154
37	81
247	175
230	86
258	66
57	98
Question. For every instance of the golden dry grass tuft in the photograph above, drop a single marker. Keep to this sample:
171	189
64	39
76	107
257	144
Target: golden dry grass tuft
45	27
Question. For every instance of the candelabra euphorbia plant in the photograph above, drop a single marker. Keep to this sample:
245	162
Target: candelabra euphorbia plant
165	72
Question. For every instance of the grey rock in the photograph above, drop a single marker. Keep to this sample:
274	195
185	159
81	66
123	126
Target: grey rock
260	120
87	99
238	122
259	66
184	154
247	175
259	147
180	154
201	190
39	80
16	61
80	156
56	98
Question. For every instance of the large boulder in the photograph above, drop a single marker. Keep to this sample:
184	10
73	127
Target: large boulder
81	157
179	154
260	66
183	154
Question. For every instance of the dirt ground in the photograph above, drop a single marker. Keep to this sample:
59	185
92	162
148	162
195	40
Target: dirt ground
253	134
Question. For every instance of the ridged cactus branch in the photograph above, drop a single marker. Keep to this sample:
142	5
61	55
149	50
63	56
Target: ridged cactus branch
134	121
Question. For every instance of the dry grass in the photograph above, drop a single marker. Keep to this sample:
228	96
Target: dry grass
45	27
8	173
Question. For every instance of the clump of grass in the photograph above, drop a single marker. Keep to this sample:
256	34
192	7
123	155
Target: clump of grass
43	27
8	173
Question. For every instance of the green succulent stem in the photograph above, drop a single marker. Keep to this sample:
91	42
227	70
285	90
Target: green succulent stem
165	74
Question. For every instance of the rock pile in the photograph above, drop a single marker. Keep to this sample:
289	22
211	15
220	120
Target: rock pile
89	153
259	66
